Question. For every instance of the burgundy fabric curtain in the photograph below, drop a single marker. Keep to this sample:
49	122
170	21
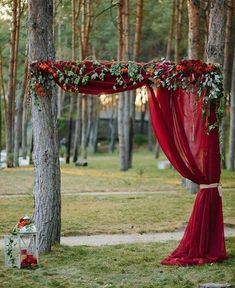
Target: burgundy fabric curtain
178	124
181	132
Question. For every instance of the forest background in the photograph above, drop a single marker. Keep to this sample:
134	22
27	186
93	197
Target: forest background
88	30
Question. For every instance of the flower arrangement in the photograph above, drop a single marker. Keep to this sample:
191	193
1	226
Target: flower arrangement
193	75
21	246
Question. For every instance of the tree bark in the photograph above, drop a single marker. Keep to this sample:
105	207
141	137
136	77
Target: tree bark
94	124
193	53
132	94
19	114
86	25
11	88
47	197
113	127
228	56
72	97
231	160
171	33
25	124
194	30
215	45
78	129
178	24
2	96
121	98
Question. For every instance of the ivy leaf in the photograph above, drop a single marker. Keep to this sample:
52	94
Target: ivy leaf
94	76
77	80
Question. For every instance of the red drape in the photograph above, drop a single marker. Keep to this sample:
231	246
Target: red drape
181	131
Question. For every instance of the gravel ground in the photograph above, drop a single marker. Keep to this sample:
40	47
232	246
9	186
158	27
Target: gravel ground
115	239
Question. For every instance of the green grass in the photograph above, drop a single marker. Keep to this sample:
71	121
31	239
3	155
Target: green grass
144	213
125	266
166	209
102	174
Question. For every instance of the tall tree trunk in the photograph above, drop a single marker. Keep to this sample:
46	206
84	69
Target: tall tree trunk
215	47
171	33
95	124
86	9
113	127
11	88
124	99
78	129
84	130
193	53
228	56
72	97
194	29
25	124
70	129
19	114
120	56
132	94
178	24
0	123
231	159
47	197
2	96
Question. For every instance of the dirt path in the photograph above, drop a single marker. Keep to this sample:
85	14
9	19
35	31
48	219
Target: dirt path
115	239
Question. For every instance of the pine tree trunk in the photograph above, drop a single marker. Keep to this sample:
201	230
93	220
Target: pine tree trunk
11	88
2	96
193	53
0	124
24	126
86	24
19	115
120	56
228	56
95	124
124	100
178	24
215	46
78	129
70	129
132	94
231	159
84	130
113	127
171	33
47	197
72	97
194	30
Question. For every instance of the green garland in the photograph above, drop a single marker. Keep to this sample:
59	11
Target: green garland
205	80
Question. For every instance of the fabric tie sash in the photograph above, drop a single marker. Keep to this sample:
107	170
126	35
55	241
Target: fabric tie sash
212	185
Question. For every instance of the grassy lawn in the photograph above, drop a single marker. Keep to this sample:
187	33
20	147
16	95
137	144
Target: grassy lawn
166	209
117	266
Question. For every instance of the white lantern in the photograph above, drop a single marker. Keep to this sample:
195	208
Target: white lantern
21	248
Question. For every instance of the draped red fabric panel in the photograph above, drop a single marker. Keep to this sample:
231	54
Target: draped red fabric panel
96	85
181	132
178	125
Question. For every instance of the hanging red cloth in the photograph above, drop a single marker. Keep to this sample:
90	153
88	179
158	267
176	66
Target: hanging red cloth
181	132
178	124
